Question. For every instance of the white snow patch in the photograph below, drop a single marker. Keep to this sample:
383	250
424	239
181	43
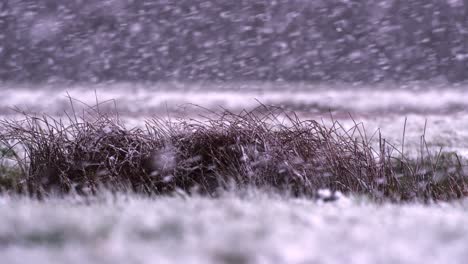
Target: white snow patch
140	98
254	229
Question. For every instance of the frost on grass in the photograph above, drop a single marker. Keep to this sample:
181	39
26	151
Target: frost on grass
250	228
267	148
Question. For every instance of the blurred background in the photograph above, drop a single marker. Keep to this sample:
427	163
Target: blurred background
364	41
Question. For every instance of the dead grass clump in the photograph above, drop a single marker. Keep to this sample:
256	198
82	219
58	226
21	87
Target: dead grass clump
78	155
274	150
265	148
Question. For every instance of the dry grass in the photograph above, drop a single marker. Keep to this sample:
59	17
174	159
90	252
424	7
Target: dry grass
265	148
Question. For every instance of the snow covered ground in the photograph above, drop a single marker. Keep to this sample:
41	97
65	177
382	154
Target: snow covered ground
257	228
253	229
134	99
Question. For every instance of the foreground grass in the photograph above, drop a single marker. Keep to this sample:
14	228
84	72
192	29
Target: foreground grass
249	228
266	148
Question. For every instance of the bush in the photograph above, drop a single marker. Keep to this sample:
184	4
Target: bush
265	148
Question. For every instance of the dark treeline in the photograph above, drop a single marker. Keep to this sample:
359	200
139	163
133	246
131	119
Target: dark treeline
294	40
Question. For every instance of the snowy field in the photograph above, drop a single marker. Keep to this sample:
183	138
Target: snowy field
256	228
253	229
